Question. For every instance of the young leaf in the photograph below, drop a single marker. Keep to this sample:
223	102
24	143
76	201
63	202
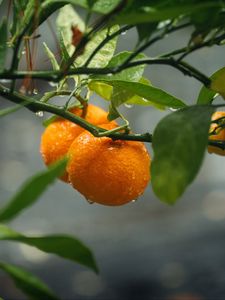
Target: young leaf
31	190
62	245
179	143
3	44
207	95
28	283
52	58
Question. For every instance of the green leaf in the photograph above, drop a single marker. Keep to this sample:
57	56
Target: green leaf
62	245
3	44
150	93
49	121
68	18
218	82
152	12
207	95
179	143
103	56
145	30
131	74
31	190
28	283
20	23
100	6
101	88
52	58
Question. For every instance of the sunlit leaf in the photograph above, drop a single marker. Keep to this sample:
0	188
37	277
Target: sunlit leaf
207	95
30	191
28	283
218	82
179	143
62	245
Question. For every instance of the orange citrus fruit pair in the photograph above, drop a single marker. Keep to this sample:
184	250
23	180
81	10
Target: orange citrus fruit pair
218	133
103	170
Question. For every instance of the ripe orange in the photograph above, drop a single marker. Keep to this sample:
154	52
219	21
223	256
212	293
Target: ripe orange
60	134
106	171
220	133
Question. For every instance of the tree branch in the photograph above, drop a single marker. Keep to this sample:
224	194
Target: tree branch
58	75
35	106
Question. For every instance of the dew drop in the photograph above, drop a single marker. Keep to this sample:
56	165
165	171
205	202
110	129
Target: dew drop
173	109
35	91
23	52
40	114
128	105
52	83
134	200
110	74
124	32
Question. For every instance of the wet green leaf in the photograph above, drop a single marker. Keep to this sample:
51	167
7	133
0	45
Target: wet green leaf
179	143
207	95
30	191
62	245
28	283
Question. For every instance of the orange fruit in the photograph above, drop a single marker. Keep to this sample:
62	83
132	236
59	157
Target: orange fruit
60	134
106	171
219	134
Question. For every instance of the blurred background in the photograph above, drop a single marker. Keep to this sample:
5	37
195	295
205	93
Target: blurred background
146	249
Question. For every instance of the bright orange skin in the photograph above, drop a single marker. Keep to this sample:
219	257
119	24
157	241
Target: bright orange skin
106	171
60	134
219	136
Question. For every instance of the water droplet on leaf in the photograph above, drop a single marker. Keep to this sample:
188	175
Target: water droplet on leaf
128	105
40	114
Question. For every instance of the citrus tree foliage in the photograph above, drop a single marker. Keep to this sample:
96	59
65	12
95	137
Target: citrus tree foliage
88	57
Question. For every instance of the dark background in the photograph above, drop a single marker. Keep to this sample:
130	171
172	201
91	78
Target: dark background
145	250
